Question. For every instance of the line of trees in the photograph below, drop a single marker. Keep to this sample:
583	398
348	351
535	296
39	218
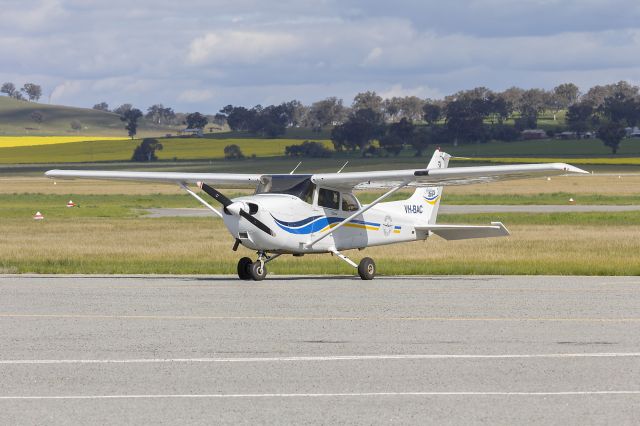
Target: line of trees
30	91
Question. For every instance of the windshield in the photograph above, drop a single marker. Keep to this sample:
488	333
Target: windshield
296	185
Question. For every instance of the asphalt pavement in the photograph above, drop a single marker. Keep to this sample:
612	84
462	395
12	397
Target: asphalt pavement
319	350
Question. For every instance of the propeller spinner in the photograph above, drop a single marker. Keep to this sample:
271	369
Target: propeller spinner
236	208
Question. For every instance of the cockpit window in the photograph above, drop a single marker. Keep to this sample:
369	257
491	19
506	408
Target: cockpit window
328	198
349	203
298	186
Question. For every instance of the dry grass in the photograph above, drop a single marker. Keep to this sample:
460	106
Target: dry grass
128	245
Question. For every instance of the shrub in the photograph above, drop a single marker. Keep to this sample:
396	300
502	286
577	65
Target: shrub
308	149
233	152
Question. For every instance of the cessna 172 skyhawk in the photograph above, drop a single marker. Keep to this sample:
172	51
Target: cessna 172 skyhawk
317	213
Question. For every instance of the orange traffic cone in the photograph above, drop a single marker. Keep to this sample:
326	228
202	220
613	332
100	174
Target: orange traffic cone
38	216
71	204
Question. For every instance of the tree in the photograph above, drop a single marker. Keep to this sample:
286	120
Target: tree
513	98
465	117
325	113
532	103
233	152
75	125
611	134
392	108
579	116
238	118
362	127
196	120
431	113
411	107
563	96
146	151
309	149
122	109
9	89
37	117
33	91
368	100
102	106
397	135
131	118
159	114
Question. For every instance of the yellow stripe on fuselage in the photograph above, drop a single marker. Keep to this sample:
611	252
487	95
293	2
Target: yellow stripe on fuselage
351	225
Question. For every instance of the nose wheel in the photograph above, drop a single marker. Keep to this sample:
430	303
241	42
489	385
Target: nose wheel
256	271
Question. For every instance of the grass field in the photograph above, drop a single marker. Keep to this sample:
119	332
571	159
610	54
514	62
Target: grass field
184	246
121	150
212	145
19	141
16	119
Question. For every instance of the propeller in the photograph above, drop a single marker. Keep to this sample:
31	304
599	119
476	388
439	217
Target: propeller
218	196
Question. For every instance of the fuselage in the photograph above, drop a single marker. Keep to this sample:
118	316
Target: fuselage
296	223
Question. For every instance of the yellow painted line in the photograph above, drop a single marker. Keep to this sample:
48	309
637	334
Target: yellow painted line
312	318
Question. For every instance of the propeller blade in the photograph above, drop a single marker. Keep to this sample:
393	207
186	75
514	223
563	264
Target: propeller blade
217	195
261	226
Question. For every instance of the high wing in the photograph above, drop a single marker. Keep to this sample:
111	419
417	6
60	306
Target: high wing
440	177
351	180
230	179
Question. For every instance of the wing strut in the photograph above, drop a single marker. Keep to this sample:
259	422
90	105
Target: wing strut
203	202
359	212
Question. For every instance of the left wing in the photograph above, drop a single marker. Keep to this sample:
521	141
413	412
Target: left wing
235	179
439	177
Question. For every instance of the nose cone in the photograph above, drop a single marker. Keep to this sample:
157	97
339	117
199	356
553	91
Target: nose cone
234	208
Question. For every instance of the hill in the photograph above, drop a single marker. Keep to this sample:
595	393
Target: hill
17	118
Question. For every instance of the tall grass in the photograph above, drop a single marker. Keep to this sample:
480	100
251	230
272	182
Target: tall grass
202	246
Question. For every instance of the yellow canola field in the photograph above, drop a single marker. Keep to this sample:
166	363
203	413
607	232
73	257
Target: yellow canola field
13	141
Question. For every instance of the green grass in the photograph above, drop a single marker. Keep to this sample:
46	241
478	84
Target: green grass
574	219
545	148
15	119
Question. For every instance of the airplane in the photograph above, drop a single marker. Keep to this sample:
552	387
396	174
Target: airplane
299	214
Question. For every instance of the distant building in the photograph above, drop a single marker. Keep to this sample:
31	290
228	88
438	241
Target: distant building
191	132
530	134
633	132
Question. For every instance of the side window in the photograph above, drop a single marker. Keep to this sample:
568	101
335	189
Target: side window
349	203
328	198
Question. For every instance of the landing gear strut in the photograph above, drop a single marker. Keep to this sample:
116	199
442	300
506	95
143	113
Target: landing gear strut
257	271
366	268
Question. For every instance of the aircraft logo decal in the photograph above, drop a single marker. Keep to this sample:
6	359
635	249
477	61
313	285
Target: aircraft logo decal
432	197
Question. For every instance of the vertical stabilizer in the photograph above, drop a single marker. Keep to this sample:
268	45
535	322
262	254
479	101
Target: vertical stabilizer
430	196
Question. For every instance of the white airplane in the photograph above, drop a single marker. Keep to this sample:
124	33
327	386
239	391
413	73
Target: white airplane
299	214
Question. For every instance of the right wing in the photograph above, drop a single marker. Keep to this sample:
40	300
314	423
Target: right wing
235	179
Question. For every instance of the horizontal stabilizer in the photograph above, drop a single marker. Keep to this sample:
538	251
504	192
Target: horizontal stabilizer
463	232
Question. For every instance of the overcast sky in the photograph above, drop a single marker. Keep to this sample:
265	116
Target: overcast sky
203	54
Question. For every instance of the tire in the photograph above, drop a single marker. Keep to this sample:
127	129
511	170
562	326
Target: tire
367	269
243	268
257	271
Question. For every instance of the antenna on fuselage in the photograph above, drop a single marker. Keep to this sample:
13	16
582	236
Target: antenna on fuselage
295	168
343	166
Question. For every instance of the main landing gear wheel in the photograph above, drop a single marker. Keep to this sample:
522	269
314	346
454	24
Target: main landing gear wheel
258	271
243	268
367	269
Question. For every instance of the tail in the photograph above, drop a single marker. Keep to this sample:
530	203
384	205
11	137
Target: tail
429	197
